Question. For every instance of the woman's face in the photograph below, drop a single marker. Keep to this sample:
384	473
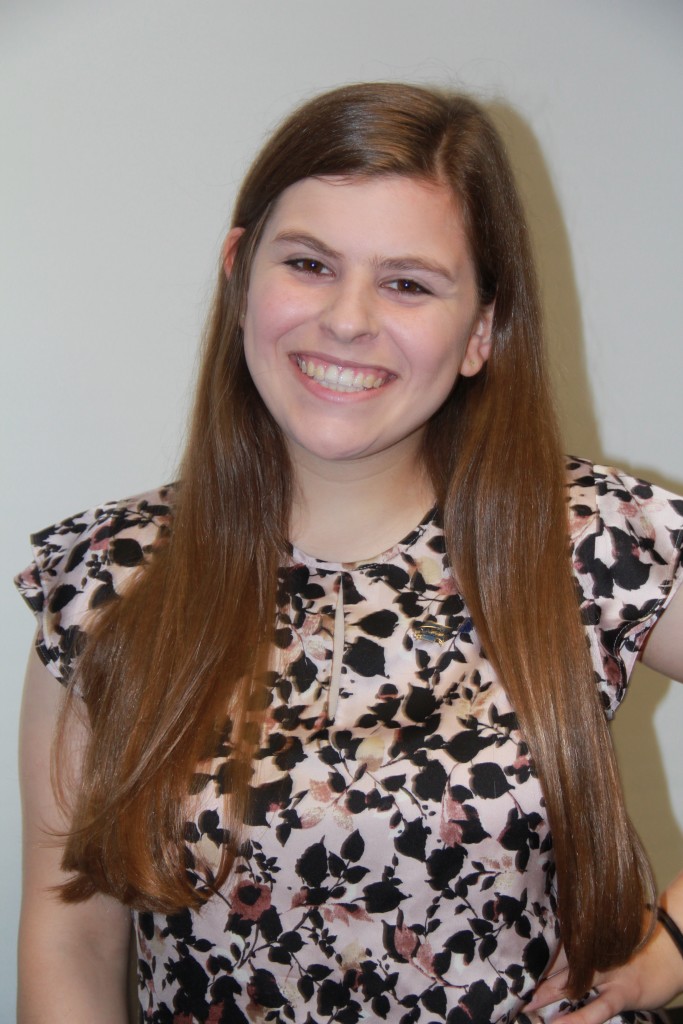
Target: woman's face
361	311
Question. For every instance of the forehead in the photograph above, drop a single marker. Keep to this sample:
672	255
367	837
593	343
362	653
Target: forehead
398	214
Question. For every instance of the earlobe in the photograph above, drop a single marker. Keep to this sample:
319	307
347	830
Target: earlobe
479	346
230	249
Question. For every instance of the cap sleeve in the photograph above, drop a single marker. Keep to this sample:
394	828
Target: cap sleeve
83	562
627	537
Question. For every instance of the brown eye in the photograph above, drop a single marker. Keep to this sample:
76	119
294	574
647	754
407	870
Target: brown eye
406	286
308	266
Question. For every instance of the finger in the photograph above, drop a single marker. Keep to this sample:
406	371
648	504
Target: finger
601	1009
549	991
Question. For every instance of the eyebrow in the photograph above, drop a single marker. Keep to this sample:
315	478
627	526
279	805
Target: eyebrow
398	264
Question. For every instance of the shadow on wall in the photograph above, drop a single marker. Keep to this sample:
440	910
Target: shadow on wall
644	778
560	298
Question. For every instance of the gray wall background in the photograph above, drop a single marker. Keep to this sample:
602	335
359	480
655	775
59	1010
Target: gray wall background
125	130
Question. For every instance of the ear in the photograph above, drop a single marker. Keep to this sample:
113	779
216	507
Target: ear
230	249
479	344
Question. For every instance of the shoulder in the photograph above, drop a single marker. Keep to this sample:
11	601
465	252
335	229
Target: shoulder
83	561
626	538
627	519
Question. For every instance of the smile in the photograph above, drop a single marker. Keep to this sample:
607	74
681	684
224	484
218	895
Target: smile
341	378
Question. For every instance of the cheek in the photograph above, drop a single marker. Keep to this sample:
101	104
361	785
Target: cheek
275	310
436	358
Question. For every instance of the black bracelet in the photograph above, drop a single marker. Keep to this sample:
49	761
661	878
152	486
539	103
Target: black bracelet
672	928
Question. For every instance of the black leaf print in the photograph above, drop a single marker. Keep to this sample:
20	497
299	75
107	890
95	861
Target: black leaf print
312	866
78	553
319	971
465	745
421	703
208	821
393	782
102	594
488	781
331	995
518	836
443	864
601	577
61	597
628	570
306	986
365	657
264	991
381	624
500	990
349	590
180	925
381	897
146	925
269	924
263	800
412	841
283	637
291	754
126	551
410	604
430	783
479	1002
223	992
303	672
462	943
291	941
353	848
434	1000
536	956
194	982
441	962
471	827
396	577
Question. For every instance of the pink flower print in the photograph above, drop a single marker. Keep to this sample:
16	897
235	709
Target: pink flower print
425	957
452	813
250	900
345	912
100	543
405	941
447	587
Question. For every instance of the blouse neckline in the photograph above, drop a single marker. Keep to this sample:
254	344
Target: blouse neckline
299	557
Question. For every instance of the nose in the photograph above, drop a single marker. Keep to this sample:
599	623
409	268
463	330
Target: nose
350	313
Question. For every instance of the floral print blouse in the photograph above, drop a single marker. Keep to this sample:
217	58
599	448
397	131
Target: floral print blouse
397	862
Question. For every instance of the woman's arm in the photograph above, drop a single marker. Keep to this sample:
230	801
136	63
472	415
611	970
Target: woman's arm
72	957
655	974
649	980
664	649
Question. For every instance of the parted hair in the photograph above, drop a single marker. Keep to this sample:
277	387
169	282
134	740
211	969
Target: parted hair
164	669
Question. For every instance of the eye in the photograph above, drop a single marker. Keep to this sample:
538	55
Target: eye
406	286
307	265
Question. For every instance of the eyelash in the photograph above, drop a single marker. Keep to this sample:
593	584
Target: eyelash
413	289
316	268
307	265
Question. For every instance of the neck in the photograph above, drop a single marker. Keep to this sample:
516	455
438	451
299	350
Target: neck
351	511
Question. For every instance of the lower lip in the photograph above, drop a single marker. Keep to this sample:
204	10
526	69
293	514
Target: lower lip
316	388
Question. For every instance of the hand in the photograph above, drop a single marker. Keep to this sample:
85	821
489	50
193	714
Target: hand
652	977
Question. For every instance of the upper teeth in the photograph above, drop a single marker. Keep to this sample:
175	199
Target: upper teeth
338	378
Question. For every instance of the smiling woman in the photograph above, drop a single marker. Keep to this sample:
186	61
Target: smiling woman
340	744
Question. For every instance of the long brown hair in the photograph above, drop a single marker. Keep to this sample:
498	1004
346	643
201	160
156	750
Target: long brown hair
187	643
